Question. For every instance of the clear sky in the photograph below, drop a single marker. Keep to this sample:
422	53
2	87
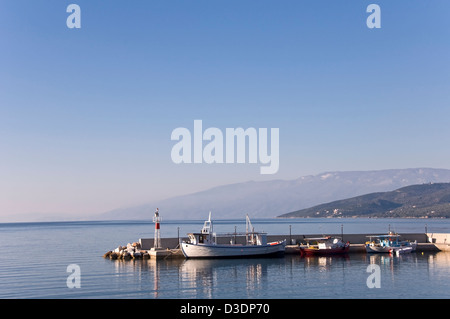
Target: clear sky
86	114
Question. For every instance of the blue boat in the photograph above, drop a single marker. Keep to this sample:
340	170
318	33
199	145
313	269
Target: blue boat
389	243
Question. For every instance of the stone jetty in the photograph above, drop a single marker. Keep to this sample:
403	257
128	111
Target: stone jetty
130	251
134	251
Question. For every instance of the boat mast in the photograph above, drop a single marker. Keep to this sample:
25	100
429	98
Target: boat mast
249	230
207	226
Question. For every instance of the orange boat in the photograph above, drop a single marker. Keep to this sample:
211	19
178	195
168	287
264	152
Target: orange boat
324	246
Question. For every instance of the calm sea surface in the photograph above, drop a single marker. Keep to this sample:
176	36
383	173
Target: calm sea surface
35	256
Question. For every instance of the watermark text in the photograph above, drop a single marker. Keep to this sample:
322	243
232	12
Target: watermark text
235	146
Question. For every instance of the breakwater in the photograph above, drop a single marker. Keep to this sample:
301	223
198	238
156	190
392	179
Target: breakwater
143	249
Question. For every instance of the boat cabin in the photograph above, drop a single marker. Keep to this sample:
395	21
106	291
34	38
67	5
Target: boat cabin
384	240
256	238
207	237
200	238
323	242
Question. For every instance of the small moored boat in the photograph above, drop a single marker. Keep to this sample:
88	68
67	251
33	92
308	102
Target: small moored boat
324	246
204	245
389	243
401	250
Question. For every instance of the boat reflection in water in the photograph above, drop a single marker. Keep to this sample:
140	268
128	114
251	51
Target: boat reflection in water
209	274
289	277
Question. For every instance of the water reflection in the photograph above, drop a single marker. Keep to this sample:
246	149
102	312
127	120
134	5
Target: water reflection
289	277
325	262
206	276
198	274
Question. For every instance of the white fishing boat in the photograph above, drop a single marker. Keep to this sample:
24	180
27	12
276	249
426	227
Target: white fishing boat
204	244
389	243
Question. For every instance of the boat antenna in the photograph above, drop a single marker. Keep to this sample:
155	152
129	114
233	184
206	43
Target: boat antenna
248	224
210	223
207	226
249	229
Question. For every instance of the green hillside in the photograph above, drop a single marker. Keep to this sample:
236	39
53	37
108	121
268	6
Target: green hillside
418	201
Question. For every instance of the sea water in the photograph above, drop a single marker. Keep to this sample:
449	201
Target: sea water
35	258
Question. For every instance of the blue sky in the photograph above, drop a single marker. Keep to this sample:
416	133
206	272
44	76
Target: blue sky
86	114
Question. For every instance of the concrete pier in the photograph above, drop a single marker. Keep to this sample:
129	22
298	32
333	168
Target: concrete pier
170	246
426	242
172	243
440	240
159	253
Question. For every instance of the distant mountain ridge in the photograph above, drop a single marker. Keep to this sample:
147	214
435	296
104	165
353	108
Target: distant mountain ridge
269	199
420	201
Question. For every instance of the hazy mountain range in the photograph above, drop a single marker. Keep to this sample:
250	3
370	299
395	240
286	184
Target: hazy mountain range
274	198
419	201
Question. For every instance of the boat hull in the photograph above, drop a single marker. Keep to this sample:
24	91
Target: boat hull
401	250
324	252
389	249
378	249
232	251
